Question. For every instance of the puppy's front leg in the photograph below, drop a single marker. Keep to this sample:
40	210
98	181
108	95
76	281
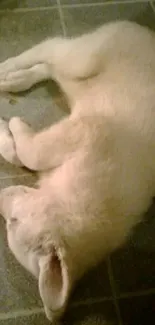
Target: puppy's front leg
21	72
62	59
39	63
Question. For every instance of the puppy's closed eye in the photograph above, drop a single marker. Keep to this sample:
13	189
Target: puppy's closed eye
11	222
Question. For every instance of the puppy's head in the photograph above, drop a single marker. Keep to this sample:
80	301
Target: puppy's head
30	241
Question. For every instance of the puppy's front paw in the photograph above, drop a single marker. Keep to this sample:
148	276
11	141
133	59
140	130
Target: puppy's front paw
7	145
7	67
13	78
15	81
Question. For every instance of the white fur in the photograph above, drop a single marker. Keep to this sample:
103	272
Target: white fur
97	165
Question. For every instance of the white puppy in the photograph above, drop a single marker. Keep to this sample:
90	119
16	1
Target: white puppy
97	165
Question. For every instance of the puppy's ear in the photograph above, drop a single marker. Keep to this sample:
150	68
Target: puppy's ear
53	284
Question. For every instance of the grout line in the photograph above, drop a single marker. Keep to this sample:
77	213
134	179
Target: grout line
110	298
136	294
19	10
62	20
16	176
113	289
152	4
61	6
106	3
21	313
90	301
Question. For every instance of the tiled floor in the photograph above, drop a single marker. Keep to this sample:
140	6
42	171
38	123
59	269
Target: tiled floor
121	289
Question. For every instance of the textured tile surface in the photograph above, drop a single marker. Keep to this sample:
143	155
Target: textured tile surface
77	316
83	19
25	29
36	319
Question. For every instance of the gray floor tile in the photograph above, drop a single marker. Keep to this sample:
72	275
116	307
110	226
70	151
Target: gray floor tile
28	180
7	170
12	4
36	110
73	316
38	319
82	19
18	31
